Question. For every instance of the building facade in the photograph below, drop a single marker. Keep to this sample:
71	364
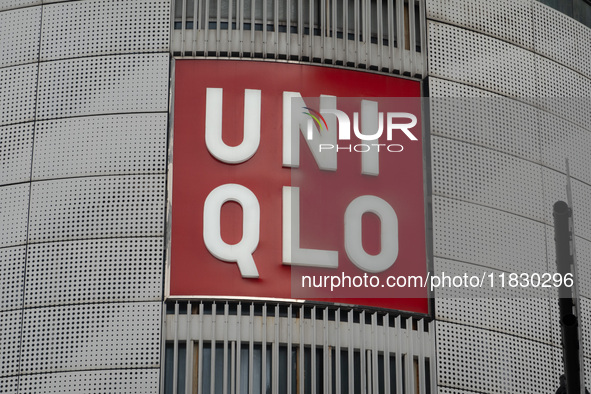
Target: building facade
86	129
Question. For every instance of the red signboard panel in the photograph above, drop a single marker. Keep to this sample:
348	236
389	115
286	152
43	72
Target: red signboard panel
324	196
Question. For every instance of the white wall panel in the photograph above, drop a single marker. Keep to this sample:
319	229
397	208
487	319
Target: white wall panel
99	336
501	124
475	59
10	4
488	63
97	207
585	322
439	88
561	140
101	85
18	85
12	269
14	206
526	23
555	190
487	237
10	341
487	177
100	145
563	91
507	310
490	362
9	385
561	38
100	27
509	20
132	381
16	145
101	270
19	41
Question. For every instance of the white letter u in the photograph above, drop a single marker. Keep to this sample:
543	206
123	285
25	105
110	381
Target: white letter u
213	127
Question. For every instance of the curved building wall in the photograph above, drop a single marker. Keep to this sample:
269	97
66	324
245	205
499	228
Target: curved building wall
83	128
498	166
83	140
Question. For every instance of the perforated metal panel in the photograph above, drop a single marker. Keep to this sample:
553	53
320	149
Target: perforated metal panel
555	190
490	362
10	341
18	85
9	385
14	205
97	207
94	336
584	266
509	20
585	322
487	177
100	27
475	59
100	145
562	140
493	308
487	237
99	85
439	88
10	4
133	381
19	41
16	144
101	270
561	38
12	269
501	124
562	91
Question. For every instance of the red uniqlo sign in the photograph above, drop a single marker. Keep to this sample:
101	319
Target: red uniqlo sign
297	181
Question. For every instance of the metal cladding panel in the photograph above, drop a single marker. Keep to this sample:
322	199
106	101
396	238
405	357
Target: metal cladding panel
487	237
16	145
526	23
18	85
475	59
10	4
500	124
585	322
442	88
487	177
100	145
488	63
19	41
561	38
97	207
104	270
12	269
493	308
101	27
509	20
583	247
572	142
98	336
9	385
132	381
555	190
489	362
562	91
14	203
10	341
106	84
